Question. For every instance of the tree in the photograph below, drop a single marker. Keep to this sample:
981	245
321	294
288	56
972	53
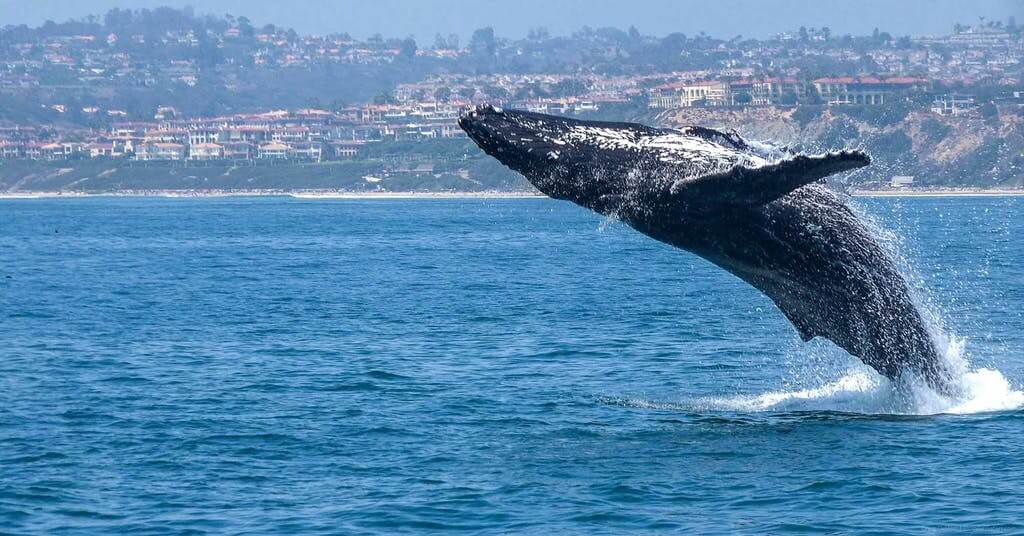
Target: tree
208	53
989	113
408	49
569	87
483	43
496	92
674	43
788	99
634	34
245	27
443	94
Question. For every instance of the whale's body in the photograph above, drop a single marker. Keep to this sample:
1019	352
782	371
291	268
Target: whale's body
750	209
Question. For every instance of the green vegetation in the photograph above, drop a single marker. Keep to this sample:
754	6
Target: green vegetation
877	116
803	115
934	130
465	173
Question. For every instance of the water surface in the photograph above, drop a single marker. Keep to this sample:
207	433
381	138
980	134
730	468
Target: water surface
271	366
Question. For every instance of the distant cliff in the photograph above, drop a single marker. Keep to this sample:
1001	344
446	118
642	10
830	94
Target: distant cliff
985	150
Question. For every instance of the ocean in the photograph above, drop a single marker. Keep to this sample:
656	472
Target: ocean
477	366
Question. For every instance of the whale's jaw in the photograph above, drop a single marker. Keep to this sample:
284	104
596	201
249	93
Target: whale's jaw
525	144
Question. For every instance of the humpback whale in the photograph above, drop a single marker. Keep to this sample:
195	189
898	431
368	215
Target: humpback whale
757	211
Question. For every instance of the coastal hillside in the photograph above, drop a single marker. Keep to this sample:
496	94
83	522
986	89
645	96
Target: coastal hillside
449	165
938	151
984	149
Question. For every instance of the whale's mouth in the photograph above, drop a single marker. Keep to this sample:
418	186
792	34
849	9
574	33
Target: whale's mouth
495	131
522	141
486	125
510	137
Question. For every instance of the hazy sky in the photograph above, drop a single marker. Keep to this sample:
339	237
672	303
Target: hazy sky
512	18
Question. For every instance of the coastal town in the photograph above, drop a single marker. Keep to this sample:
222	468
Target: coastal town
75	87
316	135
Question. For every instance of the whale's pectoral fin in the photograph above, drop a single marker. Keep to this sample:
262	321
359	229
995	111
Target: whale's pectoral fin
757	186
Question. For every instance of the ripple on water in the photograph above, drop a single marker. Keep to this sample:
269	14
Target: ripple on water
280	366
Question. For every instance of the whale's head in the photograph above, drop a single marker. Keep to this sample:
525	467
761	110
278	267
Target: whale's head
609	167
633	171
563	158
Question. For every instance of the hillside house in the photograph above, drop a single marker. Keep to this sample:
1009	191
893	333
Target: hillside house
160	151
688	94
206	151
866	90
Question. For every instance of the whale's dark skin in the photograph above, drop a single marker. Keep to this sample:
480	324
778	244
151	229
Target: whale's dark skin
754	211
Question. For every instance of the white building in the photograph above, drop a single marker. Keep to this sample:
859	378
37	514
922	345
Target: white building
954	104
160	151
687	94
206	151
902	181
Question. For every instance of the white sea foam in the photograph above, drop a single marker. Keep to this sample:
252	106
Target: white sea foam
862	390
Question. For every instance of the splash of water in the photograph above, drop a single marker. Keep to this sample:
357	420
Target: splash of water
862	390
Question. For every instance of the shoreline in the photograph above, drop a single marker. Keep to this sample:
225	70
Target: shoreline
417	195
298	194
344	195
941	192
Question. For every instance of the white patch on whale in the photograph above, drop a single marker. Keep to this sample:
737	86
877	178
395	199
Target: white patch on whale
699	154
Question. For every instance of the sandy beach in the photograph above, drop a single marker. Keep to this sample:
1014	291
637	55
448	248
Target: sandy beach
418	195
272	193
943	192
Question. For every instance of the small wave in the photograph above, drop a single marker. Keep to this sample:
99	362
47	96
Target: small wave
859	392
863	391
384	375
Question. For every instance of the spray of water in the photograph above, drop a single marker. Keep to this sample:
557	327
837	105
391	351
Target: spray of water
861	390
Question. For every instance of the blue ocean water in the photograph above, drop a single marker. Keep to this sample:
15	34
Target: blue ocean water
275	365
